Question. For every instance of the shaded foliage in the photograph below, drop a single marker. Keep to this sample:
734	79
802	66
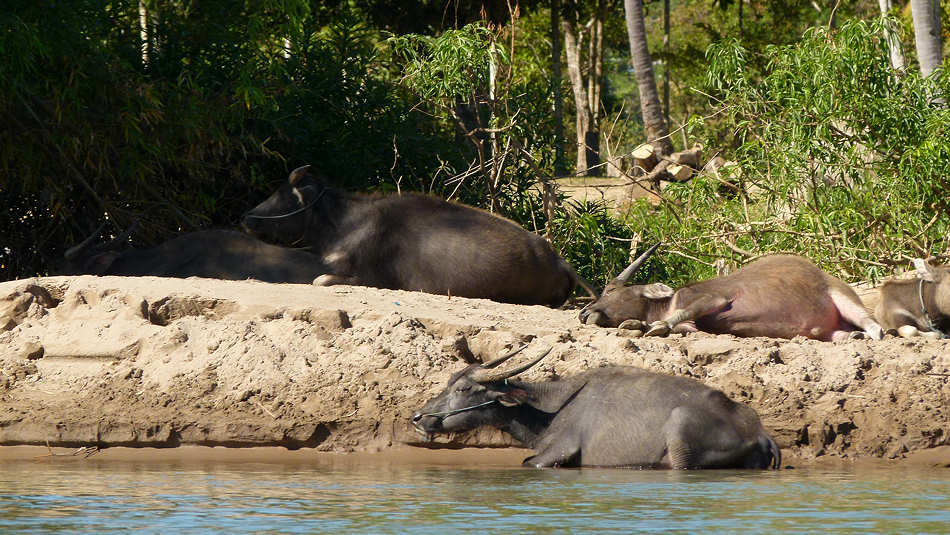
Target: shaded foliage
196	134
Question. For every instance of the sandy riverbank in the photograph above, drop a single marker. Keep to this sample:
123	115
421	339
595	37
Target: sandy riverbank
155	362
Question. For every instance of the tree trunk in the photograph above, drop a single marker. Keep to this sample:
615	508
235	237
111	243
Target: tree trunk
666	60
652	110
595	76
560	166
893	42
740	18
586	90
926	15
144	32
572	50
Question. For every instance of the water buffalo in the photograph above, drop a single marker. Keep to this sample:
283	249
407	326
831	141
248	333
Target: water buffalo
919	306
413	242
780	296
219	254
614	416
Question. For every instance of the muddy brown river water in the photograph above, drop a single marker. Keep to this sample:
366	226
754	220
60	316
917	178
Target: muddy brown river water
448	492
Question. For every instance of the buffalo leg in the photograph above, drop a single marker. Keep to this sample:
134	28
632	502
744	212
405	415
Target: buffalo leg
702	305
854	313
558	455
911	331
751	454
331	280
697	439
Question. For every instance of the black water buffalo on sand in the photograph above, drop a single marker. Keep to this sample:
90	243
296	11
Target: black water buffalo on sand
780	296
218	254
918	306
413	242
615	416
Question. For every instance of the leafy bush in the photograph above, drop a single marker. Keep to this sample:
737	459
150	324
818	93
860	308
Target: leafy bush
840	159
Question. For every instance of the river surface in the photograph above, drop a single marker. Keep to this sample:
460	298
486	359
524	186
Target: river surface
72	495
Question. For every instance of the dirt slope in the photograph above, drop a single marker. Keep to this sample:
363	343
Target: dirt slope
163	362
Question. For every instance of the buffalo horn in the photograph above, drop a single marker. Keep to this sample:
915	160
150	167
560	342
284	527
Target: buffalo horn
74	251
297	174
503	358
625	274
484	376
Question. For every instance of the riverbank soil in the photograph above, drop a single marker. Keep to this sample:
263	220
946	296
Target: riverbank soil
154	362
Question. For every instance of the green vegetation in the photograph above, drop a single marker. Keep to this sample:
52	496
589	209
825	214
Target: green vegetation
180	116
841	159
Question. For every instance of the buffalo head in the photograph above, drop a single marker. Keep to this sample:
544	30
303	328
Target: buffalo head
285	215
619	302
940	277
473	397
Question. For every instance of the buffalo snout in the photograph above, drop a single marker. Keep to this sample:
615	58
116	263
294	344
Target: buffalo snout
593	317
426	425
252	225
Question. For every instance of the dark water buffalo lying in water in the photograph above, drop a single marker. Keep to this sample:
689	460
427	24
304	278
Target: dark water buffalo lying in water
218	254
616	416
918	306
413	242
780	296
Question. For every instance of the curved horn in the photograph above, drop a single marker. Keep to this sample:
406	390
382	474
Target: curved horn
625	274
297	174
74	251
483	376
495	362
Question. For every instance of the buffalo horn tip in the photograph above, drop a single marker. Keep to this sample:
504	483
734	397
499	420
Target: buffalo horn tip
484	376
495	362
297	174
632	268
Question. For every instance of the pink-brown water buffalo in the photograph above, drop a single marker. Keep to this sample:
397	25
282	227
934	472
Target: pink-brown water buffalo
779	296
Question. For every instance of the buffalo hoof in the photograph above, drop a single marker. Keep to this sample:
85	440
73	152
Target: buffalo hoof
874	331
857	335
659	328
633	325
907	331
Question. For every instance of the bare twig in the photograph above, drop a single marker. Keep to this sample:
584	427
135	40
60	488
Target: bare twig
263	408
684	255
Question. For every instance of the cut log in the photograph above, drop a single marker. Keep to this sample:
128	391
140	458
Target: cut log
644	157
679	173
688	157
657	173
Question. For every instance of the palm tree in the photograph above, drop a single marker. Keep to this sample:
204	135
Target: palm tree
926	15
650	107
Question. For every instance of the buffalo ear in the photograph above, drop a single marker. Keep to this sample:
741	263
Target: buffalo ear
511	398
924	271
657	290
